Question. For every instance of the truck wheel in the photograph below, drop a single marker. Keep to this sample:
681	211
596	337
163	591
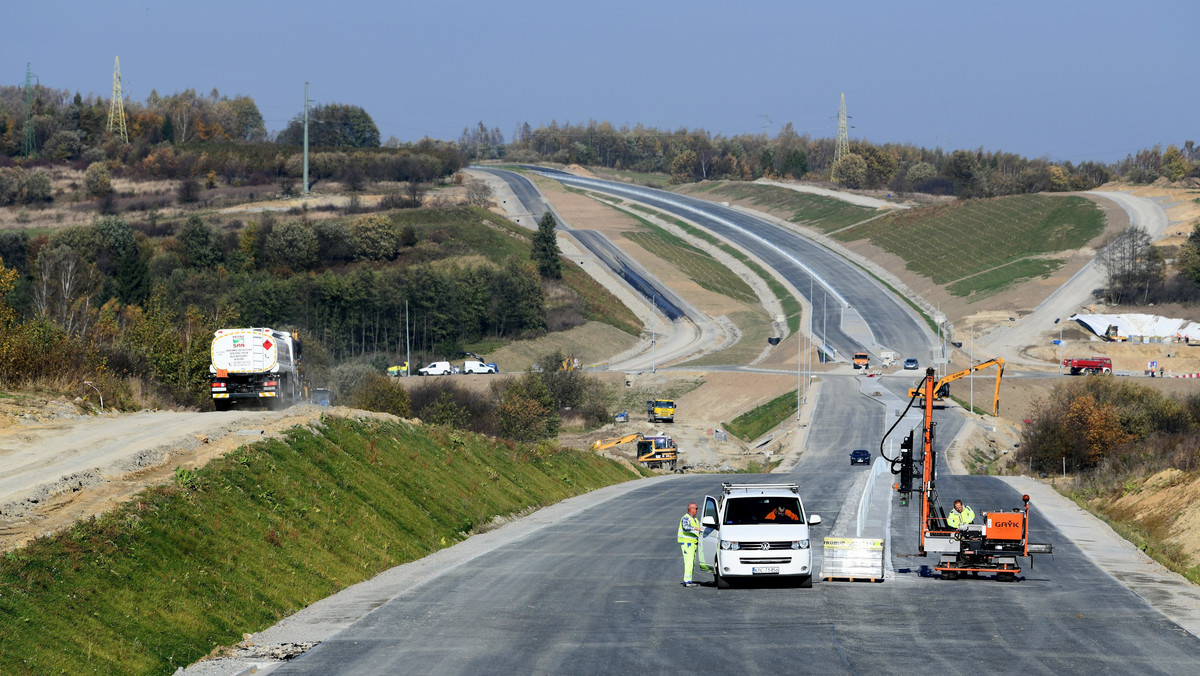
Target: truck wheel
222	404
806	582
1005	577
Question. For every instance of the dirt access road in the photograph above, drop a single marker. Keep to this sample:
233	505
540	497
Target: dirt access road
58	465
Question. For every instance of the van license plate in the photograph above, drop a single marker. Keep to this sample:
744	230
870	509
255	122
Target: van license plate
757	570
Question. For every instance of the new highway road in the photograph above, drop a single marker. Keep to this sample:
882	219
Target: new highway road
599	592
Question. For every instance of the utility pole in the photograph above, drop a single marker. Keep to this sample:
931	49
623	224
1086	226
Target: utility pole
799	373
1059	322
407	344
653	342
305	138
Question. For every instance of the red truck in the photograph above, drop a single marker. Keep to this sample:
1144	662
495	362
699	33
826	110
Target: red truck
1089	365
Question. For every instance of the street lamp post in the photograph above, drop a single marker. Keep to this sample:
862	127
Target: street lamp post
89	384
1059	322
653	342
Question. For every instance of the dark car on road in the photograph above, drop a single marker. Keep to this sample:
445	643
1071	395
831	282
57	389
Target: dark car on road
911	364
860	456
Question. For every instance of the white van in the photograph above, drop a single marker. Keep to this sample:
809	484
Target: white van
437	368
757	531
478	367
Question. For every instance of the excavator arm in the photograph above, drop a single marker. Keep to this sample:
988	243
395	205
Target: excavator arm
942	388
602	444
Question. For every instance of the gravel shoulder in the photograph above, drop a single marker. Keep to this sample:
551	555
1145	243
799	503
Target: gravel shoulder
58	465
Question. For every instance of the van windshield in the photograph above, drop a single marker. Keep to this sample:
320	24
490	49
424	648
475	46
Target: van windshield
764	510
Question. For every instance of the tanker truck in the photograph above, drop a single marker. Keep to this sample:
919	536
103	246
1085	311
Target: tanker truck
256	365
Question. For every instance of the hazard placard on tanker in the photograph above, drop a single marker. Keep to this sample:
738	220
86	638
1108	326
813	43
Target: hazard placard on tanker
245	350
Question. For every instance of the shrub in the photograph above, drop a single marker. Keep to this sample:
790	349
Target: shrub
38	187
379	393
97	181
188	191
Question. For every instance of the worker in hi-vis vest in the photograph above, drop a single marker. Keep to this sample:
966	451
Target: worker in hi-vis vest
689	538
960	516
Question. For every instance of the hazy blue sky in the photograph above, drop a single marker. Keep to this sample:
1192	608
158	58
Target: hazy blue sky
1076	81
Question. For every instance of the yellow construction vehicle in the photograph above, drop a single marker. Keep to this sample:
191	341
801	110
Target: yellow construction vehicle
602	444
660	410
941	390
657	452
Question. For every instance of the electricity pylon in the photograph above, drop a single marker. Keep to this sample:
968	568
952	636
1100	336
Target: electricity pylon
843	137
116	107
27	139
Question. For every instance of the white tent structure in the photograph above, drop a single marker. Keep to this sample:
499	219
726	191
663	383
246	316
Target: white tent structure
1141	328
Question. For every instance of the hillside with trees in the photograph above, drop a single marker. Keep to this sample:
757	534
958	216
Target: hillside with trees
697	155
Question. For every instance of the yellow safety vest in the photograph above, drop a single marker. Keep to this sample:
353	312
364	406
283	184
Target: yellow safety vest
954	520
684	536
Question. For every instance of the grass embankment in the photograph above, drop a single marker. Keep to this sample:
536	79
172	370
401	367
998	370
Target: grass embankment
261	533
815	211
696	264
639	177
755	422
982	246
791	306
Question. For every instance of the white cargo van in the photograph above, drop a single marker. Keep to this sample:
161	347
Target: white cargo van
437	368
757	531
478	367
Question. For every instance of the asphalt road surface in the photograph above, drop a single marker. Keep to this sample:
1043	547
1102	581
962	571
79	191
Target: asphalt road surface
599	592
843	296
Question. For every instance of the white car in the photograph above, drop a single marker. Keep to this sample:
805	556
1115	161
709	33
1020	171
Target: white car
437	368
757	531
478	367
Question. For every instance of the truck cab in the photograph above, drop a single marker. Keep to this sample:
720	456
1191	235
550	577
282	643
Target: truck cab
660	410
757	531
862	360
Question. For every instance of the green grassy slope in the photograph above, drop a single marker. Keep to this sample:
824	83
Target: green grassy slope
259	534
983	245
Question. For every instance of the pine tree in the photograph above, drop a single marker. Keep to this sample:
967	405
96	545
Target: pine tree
133	278
545	249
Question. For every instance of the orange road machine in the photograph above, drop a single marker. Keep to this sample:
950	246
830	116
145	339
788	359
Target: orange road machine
992	546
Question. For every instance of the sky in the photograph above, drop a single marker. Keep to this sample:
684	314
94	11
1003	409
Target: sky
1063	80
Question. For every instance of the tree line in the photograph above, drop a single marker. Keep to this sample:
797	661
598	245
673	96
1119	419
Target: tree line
129	303
187	135
694	155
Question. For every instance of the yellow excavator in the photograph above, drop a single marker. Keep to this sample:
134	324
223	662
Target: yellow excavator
657	452
941	389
